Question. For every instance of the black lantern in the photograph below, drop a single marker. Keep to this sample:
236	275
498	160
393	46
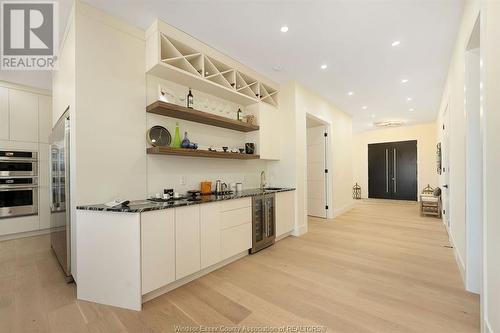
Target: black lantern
356	191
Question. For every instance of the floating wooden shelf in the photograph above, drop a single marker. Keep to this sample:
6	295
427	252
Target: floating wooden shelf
200	153
181	112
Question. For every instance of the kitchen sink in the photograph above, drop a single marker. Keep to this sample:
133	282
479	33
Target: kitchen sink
273	188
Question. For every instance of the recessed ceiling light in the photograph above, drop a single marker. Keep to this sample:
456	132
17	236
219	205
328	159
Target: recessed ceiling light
324	66
364	107
373	116
350	93
404	80
409	99
284	28
412	109
396	43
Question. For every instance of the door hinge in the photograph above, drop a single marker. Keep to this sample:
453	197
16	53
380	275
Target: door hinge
444	211
326	207
326	134
443	127
326	170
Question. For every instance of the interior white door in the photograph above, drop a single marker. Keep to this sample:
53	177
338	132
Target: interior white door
445	173
316	176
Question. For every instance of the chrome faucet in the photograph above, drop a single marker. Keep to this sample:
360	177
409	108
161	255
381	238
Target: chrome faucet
263	182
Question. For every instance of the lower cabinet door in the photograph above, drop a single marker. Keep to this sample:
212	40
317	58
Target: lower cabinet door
235	240
210	234
187	241
157	249
285	212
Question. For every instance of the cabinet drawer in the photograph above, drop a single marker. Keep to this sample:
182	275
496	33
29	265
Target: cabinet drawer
236	217
236	240
235	204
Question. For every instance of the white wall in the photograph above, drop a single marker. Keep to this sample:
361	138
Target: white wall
101	78
295	103
425	135
474	172
168	171
308	102
110	109
454	96
490	77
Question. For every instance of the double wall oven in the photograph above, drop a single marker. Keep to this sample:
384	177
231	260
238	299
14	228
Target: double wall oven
18	183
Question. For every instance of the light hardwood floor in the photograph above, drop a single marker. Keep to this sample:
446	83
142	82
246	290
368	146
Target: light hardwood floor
378	268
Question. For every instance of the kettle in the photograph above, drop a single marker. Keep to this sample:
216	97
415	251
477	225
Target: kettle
220	186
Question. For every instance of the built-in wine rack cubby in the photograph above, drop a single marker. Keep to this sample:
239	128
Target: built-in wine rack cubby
185	60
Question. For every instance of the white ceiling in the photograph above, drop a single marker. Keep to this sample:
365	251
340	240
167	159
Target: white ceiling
352	37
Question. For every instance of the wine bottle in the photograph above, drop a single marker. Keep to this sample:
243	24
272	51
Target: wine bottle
239	114
190	99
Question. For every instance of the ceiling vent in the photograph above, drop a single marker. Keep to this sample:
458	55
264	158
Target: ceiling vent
390	123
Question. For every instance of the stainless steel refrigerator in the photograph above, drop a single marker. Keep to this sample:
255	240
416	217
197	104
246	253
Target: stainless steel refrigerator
60	212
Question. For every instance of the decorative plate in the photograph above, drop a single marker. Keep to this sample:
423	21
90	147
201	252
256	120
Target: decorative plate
159	136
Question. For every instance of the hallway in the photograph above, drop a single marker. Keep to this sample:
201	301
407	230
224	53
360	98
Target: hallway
378	268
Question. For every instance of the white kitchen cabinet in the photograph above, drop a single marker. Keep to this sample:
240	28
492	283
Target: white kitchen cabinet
269	132
236	227
285	212
268	138
44	118
187	241
157	249
236	217
210	234
4	113
235	240
23	116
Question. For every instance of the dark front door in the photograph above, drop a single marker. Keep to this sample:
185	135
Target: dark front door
392	170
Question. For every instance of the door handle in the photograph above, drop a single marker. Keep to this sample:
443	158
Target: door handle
387	170
394	179
445	185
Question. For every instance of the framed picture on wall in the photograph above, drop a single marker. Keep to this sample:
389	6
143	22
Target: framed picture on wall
438	158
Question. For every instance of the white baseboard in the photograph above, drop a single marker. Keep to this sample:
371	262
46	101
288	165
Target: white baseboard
300	230
24	234
487	326
342	210
458	258
285	235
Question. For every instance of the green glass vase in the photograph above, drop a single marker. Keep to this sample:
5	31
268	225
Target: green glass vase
177	138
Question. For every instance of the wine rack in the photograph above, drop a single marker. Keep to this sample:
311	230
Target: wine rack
189	64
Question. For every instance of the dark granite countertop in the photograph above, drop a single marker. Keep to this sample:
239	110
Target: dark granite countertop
147	205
